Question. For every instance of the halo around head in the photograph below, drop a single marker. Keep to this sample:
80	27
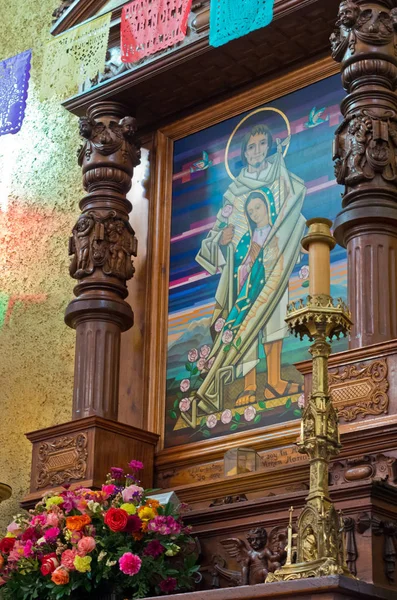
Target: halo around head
258	110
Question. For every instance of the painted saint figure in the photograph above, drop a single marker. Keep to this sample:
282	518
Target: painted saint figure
255	243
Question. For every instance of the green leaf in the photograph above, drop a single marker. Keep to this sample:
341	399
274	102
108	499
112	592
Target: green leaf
173	414
237	417
203	421
262	405
176	403
305	284
195	371
288	403
234	427
222	225
257	419
238	342
227	348
297	413
206	433
188	366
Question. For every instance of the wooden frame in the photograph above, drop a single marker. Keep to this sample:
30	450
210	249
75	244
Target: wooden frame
159	256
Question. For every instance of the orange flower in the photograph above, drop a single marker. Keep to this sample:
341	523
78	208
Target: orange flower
144	526
137	535
1	561
152	503
60	576
78	522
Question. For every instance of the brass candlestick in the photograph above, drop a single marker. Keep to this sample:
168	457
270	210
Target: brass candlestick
317	549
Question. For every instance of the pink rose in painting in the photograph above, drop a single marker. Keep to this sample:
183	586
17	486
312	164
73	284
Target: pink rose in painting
219	324
210	362
226	416
201	364
249	413
304	272
211	421
192	355
301	401
184	404
227	336
204	351
227	211
184	385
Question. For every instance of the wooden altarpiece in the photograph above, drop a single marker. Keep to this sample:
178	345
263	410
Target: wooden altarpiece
183	91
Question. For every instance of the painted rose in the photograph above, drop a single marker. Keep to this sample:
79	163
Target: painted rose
226	416
131	492
201	364
192	355
184	385
211	421
304	272
227	211
249	413
204	351
60	576
49	563
210	362
227	336
301	401
86	545
184	404
219	324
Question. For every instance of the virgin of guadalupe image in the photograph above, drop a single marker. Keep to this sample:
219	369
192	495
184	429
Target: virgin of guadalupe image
254	244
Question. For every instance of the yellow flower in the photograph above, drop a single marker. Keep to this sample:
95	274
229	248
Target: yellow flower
9	534
172	550
53	501
146	513
129	508
82	563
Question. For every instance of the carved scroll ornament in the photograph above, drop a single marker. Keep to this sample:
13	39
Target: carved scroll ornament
62	461
360	390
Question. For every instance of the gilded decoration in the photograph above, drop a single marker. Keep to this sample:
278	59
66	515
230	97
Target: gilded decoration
62	460
360	390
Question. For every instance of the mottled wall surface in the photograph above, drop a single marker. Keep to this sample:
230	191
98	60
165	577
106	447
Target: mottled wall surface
40	185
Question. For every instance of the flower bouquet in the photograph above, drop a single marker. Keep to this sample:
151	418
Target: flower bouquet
85	544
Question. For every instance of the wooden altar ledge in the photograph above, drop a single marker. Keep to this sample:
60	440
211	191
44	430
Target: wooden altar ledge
323	588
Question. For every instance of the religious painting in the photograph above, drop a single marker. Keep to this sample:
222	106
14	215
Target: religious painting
242	192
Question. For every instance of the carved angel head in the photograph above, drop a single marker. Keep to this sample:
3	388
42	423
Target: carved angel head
257	538
393	15
128	127
348	14
85	127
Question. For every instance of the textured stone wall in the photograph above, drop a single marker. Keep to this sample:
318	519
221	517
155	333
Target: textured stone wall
39	191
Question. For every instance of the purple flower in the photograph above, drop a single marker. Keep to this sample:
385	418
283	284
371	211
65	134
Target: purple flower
168	585
154	548
164	525
135	465
51	534
69	501
116	473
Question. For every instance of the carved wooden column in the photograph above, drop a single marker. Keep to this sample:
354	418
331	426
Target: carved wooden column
102	245
365	42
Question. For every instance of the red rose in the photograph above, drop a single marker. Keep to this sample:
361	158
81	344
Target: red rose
7	544
49	563
116	519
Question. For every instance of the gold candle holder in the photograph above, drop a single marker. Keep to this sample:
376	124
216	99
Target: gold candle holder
317	549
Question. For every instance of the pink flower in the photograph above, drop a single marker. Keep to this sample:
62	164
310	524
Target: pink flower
204	351
227	211
192	355
51	534
86	545
28	549
201	364
304	272
219	324
14	528
249	413
227	336
76	537
301	401
67	559
135	465
132	492
52	520
39	520
130	564
226	416
109	490
211	421
210	362
165	525
184	385
154	548
184	404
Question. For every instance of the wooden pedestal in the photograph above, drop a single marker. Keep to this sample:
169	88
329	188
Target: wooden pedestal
83	451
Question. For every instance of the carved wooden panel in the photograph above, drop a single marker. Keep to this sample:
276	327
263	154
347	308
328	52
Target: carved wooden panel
360	390
63	459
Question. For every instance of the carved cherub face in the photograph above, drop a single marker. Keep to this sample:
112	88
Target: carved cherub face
128	126
393	14
82	224
348	14
257	538
85	127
